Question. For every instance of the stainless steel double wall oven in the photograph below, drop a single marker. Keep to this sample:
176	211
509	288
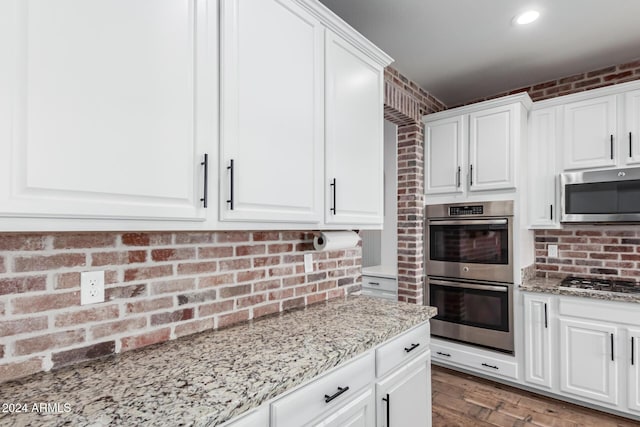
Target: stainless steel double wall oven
469	268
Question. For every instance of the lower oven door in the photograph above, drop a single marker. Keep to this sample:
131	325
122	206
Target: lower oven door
473	312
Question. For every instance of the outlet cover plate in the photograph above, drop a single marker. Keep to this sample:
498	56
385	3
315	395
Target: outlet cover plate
91	287
308	263
552	251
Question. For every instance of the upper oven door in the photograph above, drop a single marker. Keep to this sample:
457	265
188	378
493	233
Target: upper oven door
478	249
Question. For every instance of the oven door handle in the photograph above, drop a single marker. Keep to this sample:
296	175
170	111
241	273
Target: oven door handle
470	286
501	221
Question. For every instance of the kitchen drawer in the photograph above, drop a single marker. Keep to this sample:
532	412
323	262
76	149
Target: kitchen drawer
380	283
477	362
258	417
611	311
402	349
308	402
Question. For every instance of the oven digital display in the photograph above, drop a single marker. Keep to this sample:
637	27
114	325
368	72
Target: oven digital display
466	210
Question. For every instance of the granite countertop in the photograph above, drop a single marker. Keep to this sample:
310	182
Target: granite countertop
208	378
389	272
552	286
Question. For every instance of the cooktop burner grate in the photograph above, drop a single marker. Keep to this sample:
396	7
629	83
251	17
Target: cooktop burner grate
603	285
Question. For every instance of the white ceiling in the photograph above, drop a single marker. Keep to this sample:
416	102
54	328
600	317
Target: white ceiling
460	50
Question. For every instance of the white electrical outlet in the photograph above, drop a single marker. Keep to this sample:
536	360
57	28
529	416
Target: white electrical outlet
91	287
308	263
552	251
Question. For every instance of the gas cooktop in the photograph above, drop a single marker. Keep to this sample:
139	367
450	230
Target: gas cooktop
603	285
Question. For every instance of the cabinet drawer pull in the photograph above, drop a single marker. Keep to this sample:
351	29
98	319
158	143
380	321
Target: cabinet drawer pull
333	184
443	354
490	366
341	390
630	149
611	142
374	283
458	178
413	347
612	354
205	196
388	401
230	169
546	317
633	351
551	212
471	175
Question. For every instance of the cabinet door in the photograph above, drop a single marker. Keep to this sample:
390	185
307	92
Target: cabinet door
404	397
588	362
589	133
492	138
537	340
634	369
631	150
106	108
258	417
543	210
359	412
443	155
271	112
354	140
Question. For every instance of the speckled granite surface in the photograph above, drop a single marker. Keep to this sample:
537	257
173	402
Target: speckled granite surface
208	378
552	286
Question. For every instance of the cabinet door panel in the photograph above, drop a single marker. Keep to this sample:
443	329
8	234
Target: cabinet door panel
634	369
443	156
103	108
271	112
538	349
631	139
588	128
492	134
354	142
359	412
543	210
586	365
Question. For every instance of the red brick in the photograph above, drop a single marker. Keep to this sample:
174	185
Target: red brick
264	310
197	297
330	284
159	255
265	261
197	267
3	267
336	293
148	305
296	235
146	239
83	240
22	242
281	294
315	298
233	291
50	262
252	275
118	327
631	273
118	258
601	71
620	233
194	327
215	252
13	371
15	327
293	303
232	236
574	78
210	281
280	248
280	271
193	238
293	281
138	341
48	342
630	257
19	285
584	83
618	249
617	76
305	290
177	285
215	308
145	273
262	236
250	300
235	264
304	247
95	314
125	292
250	250
225	320
266	285
68	280
172	317
35	304
69	357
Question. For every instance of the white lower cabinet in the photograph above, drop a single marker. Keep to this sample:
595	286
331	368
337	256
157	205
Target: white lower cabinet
403	397
633	338
359	412
537	345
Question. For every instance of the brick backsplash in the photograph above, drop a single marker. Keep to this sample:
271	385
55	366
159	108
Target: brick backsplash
158	286
611	252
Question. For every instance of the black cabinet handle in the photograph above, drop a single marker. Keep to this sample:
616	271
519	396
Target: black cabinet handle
333	184
490	366
443	354
374	283
341	390
612	355
458	178
632	351
546	317
611	146
630	149
413	347
230	169
388	401
471	175
551	212
205	196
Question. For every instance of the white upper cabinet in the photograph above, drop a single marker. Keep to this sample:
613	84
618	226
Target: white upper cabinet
492	135
632	127
590	133
354	135
106	107
271	162
443	155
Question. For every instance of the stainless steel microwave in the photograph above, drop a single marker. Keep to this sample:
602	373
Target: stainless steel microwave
600	196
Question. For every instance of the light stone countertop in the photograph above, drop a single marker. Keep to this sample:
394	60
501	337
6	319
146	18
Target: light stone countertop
208	378
552	286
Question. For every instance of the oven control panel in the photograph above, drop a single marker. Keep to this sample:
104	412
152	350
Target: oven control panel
466	210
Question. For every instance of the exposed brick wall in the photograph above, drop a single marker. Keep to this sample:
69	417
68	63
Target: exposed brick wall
601	77
611	252
159	286
405	104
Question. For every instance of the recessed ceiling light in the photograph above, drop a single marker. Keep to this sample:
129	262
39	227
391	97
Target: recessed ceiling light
527	17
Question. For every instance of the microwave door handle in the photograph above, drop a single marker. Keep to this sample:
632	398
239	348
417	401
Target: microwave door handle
470	286
468	222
